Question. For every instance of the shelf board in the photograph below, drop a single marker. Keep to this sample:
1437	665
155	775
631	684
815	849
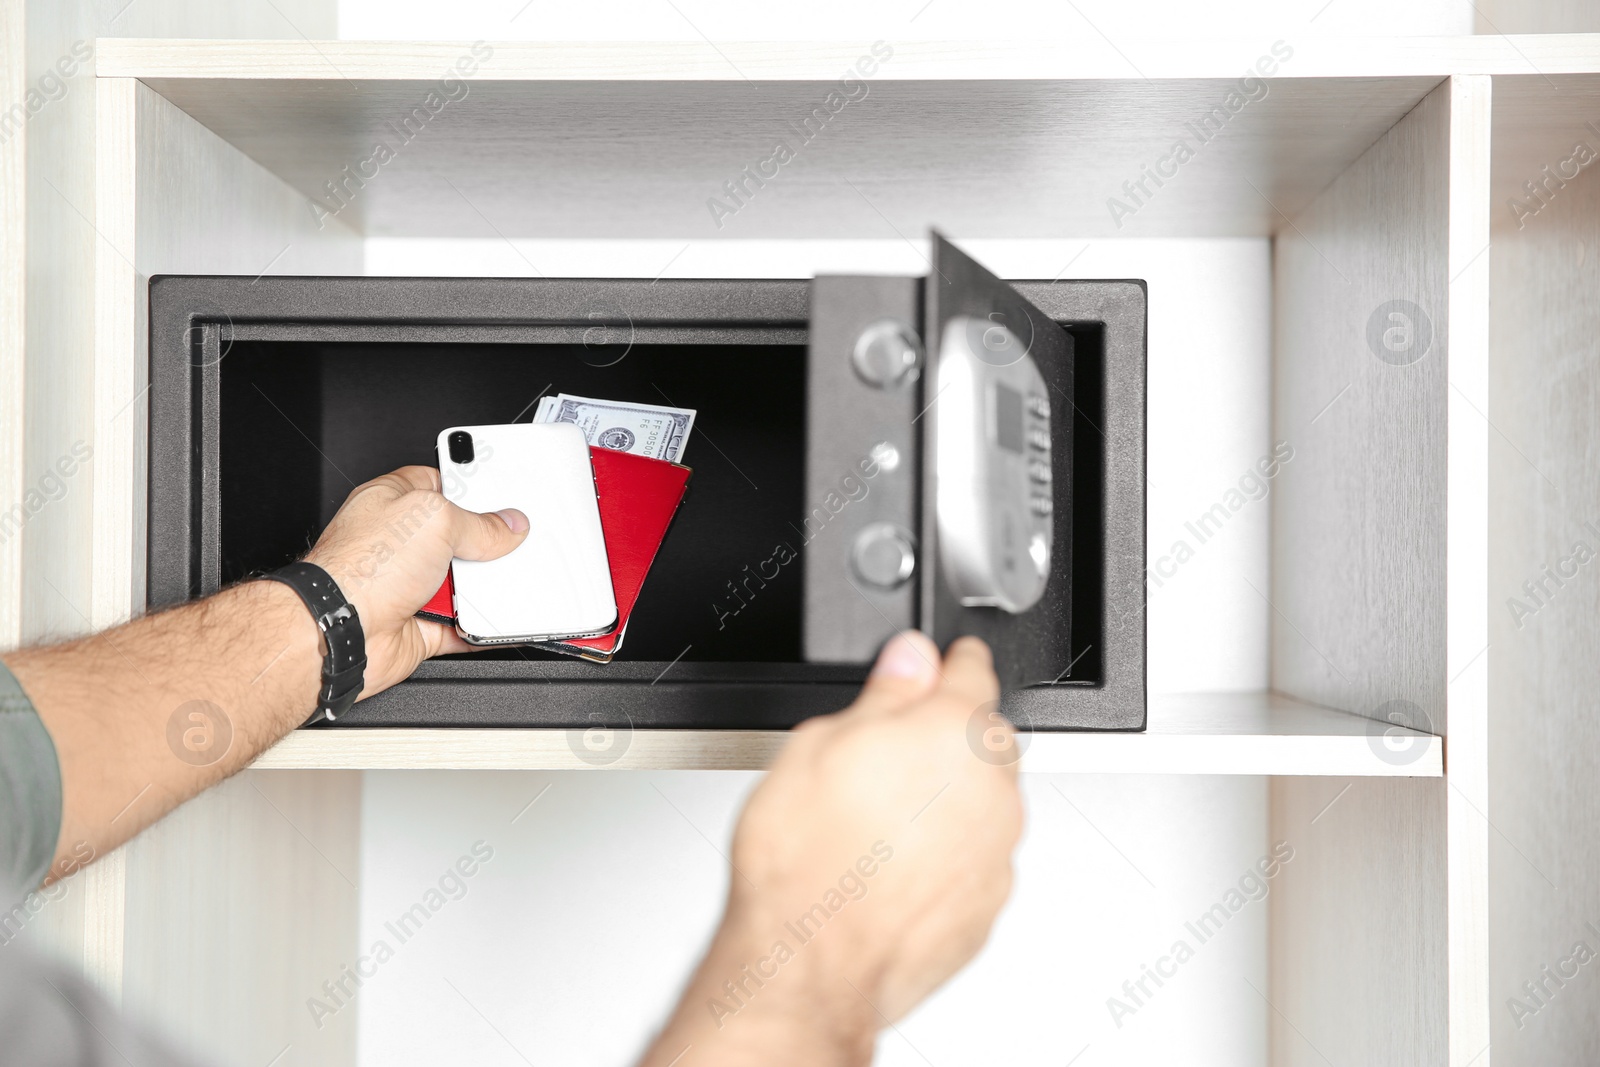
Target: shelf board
1202	733
545	139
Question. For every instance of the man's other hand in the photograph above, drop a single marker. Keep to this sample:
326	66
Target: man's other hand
868	867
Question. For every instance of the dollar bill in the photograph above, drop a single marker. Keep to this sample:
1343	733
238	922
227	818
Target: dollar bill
644	429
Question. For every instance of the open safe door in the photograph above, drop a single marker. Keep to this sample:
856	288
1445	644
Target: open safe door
939	468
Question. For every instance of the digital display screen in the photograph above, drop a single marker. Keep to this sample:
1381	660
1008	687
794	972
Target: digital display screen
1008	418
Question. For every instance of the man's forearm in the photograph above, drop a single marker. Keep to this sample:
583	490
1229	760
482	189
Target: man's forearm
146	715
748	1004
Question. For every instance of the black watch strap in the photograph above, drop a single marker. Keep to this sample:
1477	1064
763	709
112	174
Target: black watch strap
344	662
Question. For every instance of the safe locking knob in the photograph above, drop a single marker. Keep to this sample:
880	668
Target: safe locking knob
883	556
887	354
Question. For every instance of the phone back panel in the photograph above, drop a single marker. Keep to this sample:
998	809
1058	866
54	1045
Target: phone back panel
557	583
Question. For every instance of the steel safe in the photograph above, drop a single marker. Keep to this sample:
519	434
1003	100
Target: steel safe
811	530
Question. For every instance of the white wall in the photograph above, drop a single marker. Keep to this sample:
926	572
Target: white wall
569	946
575	939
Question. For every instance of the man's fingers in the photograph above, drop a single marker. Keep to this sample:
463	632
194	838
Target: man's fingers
482	537
969	671
907	668
439	639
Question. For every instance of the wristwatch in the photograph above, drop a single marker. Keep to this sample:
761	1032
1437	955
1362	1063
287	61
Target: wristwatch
344	658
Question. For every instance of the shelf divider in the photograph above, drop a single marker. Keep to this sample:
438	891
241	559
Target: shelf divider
1379	594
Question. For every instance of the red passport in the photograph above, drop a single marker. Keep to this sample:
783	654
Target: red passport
638	498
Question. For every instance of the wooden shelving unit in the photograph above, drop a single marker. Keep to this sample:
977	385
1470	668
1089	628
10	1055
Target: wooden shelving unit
1381	169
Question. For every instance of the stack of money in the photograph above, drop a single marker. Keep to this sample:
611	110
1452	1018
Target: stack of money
643	429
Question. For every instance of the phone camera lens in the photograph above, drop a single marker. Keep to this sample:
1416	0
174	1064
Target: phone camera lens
461	450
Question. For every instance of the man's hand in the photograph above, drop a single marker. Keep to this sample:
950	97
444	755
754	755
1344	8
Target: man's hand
868	868
389	548
150	713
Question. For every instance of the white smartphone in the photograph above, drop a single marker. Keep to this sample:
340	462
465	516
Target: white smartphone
557	583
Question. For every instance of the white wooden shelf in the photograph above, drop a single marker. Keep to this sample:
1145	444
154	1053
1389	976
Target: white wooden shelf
1372	166
1203	733
1080	57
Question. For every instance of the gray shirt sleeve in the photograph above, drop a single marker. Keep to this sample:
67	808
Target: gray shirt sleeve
30	789
49	1015
52	1017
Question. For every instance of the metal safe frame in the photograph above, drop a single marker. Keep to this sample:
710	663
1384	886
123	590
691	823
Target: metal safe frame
203	328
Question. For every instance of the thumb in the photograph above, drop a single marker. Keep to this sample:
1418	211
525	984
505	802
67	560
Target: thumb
907	668
484	536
